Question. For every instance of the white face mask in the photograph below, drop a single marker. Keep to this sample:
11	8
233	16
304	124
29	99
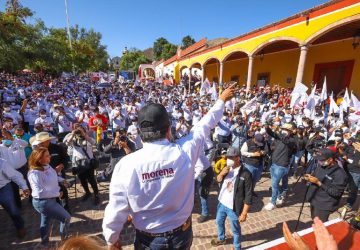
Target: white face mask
277	123
230	163
7	109
43	116
284	133
134	123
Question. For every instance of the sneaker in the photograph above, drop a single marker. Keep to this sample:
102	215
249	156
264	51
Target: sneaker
85	197
346	207
96	200
280	201
216	242
203	218
269	206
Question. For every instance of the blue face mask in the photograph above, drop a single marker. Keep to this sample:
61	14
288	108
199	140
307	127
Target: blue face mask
7	142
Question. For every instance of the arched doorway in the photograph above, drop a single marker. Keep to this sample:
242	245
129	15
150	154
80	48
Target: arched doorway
276	62
235	67
335	55
212	69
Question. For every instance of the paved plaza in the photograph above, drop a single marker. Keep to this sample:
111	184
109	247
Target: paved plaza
261	226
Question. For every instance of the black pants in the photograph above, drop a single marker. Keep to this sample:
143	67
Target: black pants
23	170
322	214
88	176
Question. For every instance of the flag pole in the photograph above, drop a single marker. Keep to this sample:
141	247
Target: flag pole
69	35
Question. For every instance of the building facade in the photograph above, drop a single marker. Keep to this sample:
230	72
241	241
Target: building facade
307	47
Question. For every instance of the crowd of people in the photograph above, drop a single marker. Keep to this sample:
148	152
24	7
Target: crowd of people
163	140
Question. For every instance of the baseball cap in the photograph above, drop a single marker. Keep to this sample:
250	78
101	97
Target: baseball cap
232	151
324	154
153	117
259	140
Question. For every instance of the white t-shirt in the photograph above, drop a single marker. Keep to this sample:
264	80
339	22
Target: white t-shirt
226	195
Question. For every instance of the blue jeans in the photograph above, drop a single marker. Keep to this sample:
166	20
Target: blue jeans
221	214
181	240
278	173
49	209
7	201
354	186
295	159
255	172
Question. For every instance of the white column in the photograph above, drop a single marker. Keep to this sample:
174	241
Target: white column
189	80
202	73
301	66
221	72
249	74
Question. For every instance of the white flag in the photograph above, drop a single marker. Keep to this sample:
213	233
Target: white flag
250	106
323	95
205	86
213	92
299	88
311	100
355	102
333	107
346	100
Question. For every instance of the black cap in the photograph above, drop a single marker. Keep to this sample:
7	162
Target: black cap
324	154
259	140
232	151
153	117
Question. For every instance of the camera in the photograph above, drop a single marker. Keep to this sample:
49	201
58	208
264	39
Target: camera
122	138
77	132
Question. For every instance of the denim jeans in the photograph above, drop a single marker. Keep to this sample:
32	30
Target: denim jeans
354	186
49	209
221	214
7	201
181	240
202	189
255	172
278	173
295	160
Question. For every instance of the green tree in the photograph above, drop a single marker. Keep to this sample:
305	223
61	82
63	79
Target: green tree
158	47
187	41
168	51
132	60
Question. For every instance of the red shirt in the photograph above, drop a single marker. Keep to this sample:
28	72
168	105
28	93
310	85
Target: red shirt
98	120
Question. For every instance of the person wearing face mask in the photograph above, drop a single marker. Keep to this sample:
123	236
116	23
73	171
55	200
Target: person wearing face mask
223	129
15	116
30	115
328	183
283	147
235	198
45	121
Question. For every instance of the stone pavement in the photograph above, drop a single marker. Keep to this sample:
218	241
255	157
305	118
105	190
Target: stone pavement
261	226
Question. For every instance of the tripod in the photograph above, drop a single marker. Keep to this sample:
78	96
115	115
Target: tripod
312	170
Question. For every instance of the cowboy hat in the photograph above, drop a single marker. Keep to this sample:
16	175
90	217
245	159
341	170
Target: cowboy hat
41	137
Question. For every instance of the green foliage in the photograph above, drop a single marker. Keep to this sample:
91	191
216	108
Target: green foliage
169	51
187	41
132	59
39	48
159	47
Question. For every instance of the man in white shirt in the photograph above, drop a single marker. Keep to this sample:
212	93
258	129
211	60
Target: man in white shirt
234	198
145	188
7	201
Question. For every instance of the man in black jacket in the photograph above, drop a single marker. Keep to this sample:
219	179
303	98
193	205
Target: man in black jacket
234	197
328	183
283	147
117	148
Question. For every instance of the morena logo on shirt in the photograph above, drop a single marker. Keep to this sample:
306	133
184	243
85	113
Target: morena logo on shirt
158	174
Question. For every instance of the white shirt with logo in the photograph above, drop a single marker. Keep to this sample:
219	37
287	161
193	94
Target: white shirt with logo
155	184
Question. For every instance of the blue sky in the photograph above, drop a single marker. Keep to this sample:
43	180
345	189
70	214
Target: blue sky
138	23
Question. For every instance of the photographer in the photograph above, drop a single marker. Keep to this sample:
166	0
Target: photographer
118	148
83	161
328	183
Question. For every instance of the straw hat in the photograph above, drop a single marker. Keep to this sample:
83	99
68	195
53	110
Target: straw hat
40	137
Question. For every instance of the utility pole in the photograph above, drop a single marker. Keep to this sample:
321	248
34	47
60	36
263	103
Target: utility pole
69	35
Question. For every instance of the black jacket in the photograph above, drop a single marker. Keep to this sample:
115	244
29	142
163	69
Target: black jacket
328	195
117	153
242	190
283	148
